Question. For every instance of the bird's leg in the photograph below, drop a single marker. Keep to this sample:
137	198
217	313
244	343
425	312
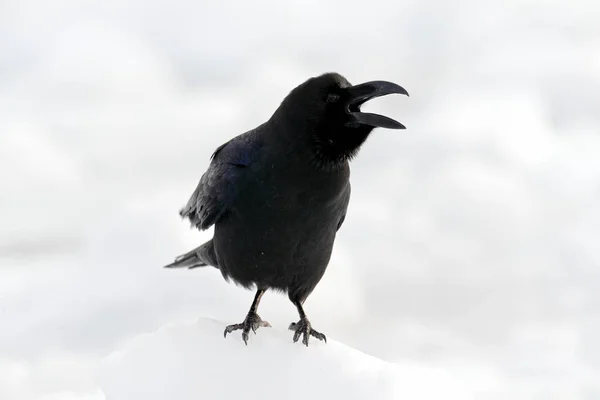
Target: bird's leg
252	320
303	327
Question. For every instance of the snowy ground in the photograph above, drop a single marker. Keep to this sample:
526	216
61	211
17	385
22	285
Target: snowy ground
471	243
191	361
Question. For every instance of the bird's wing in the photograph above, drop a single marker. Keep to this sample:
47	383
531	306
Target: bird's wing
345	202
220	184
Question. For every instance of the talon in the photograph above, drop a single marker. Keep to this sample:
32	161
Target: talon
252	322
231	328
304	328
318	335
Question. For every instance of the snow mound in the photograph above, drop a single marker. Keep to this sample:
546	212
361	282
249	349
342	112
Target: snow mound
194	361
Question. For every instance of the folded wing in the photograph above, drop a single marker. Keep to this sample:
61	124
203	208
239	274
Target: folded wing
221	184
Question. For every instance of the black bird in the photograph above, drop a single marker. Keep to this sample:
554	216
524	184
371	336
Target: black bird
278	194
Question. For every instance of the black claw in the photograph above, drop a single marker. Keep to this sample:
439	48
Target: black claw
304	328
231	328
318	335
252	322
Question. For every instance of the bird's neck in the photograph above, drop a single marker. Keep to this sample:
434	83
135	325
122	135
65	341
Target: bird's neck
334	148
325	147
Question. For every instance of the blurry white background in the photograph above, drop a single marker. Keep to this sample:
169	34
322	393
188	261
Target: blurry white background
472	237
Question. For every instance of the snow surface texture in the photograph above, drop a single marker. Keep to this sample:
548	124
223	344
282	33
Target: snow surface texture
193	361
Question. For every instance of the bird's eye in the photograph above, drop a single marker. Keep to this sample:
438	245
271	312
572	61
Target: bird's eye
332	97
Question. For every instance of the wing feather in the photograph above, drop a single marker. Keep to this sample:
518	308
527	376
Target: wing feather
221	184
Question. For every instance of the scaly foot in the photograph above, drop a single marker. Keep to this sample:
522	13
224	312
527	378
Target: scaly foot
252	321
304	328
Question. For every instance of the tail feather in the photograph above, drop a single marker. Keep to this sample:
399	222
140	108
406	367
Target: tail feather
201	256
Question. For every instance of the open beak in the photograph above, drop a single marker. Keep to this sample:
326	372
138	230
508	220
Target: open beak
359	94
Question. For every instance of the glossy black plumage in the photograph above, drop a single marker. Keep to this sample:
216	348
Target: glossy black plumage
278	194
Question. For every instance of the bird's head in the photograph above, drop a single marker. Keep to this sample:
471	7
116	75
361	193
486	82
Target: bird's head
328	108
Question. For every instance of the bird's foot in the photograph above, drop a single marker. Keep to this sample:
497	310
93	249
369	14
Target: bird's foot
304	328
252	321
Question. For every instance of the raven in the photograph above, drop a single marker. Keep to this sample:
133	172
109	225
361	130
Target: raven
278	194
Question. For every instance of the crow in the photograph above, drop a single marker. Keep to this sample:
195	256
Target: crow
278	194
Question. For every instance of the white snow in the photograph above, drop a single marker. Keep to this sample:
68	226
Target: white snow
193	361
